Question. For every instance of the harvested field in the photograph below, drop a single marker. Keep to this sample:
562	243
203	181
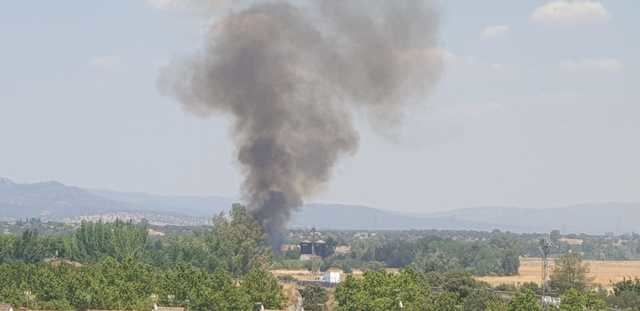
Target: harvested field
306	275
604	273
300	275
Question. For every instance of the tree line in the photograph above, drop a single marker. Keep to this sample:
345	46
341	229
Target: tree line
118	266
133	285
496	256
429	290
235	243
225	267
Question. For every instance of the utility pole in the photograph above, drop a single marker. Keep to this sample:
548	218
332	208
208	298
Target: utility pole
30	296
313	241
545	248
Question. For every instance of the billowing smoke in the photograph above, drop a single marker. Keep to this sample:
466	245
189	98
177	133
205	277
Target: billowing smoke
293	76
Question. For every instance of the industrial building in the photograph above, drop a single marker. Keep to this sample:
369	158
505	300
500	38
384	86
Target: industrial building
310	249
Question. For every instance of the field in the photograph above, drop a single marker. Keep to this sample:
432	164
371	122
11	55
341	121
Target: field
300	275
604	273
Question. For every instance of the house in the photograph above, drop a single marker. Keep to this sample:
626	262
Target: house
6	307
551	301
332	277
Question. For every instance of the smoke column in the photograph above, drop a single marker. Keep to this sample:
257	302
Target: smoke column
292	76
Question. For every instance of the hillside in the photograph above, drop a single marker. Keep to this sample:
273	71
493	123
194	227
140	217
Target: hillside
587	218
56	201
350	217
195	206
52	200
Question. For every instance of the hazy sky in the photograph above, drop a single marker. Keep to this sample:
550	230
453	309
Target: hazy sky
539	107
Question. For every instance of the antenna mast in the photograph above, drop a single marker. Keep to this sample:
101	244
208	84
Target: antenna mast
545	248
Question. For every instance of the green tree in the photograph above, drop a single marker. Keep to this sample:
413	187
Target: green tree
314	298
510	262
525	300
382	291
532	286
626	294
7	246
228	296
111	285
460	283
261	286
574	300
29	247
183	285
497	305
626	300
93	242
596	301
479	299
238	244
446	301
569	272
435	262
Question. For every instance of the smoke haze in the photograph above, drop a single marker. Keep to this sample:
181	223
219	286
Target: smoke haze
291	77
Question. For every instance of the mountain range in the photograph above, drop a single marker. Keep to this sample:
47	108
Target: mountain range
58	202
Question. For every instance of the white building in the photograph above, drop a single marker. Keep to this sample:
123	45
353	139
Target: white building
333	277
551	301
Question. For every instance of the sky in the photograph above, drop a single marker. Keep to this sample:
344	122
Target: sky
539	106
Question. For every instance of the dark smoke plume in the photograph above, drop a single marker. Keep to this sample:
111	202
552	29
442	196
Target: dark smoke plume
292	76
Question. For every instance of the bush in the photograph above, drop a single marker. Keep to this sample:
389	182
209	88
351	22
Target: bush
525	300
382	291
574	300
315	298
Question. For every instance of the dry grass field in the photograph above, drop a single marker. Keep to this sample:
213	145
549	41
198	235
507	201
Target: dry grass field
604	273
301	275
306	275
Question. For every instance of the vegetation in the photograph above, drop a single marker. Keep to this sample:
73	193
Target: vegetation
385	291
498	255
315	298
525	300
569	273
575	300
93	242
382	291
626	295
132	285
225	267
222	269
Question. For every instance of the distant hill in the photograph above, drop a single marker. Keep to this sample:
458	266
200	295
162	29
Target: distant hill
350	217
52	200
587	218
59	202
196	206
56	201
